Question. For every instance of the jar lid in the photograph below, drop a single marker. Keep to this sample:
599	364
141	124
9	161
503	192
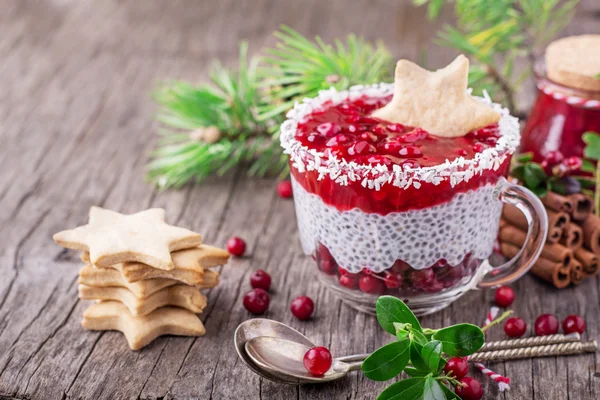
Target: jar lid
574	61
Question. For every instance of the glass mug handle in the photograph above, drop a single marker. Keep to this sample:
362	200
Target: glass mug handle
537	219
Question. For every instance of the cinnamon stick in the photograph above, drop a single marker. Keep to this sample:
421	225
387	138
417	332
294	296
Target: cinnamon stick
591	233
551	251
557	202
577	274
556	221
588	260
557	273
572	236
582	206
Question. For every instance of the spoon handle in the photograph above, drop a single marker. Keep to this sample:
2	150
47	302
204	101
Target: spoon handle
354	357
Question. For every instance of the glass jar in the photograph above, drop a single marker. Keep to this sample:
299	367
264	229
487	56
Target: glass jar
421	233
559	118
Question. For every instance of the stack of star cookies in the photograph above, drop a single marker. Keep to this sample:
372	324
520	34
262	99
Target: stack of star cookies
144	274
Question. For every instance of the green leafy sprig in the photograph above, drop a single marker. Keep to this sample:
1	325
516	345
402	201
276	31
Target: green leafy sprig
592	152
419	352
535	178
499	35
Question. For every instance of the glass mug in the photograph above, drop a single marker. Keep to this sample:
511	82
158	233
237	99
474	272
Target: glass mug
423	234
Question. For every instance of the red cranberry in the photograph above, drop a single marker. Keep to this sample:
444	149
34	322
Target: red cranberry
236	246
546	167
515	327
328	129
400	266
396	128
410	152
302	307
422	277
469	389
328	266
256	301
337	140
371	284
554	157
350	281
344	271
323	253
393	280
361	147
284	188
573	164
317	360
546	324
457	367
478	147
573	323
260	279
504	296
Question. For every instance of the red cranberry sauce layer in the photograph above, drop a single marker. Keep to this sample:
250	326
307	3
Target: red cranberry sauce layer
348	132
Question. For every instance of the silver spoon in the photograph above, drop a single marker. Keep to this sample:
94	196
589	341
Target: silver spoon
284	358
259	327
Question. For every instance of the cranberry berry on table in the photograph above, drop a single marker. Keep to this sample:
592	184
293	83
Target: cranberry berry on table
515	327
260	279
572	324
302	307
546	324
284	189
236	246
257	301
504	296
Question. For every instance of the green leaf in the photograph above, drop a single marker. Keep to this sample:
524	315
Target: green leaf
431	354
410	371
533	175
432	390
592	150
588	166
460	340
401	334
450	395
391	309
387	362
540	191
415	357
406	389
518	172
524	157
418	336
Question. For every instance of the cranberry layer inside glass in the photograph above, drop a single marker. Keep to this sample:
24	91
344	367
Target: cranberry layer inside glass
559	118
391	209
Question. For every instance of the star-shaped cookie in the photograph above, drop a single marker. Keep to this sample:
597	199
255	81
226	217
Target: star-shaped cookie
189	265
436	101
109	277
112	238
183	296
141	331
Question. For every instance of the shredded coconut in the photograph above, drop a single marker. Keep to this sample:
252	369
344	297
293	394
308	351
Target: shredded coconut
374	176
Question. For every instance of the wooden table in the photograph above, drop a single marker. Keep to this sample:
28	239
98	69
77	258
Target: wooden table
76	125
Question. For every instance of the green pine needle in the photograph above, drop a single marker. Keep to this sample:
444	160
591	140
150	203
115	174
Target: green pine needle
297	68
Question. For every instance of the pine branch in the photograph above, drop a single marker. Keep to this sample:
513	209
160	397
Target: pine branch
227	109
495	34
297	68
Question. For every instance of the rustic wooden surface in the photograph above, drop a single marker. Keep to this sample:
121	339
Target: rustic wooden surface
75	129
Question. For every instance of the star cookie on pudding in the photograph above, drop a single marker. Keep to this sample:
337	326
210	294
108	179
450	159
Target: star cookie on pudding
437	102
